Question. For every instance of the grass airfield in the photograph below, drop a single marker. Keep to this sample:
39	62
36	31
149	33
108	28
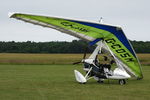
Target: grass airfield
57	82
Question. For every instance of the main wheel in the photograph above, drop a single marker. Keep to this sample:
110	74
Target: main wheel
100	81
122	81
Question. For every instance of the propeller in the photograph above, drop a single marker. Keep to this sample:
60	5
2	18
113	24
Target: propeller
77	62
85	52
84	56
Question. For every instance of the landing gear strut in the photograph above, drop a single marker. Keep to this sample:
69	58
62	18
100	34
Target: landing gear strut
100	81
122	81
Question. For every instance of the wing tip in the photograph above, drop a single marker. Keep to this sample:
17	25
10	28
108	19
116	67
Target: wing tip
10	14
140	78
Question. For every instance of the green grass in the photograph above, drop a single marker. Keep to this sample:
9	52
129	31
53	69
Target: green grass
57	82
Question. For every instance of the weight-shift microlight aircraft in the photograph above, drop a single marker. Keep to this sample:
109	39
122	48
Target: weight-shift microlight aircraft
108	38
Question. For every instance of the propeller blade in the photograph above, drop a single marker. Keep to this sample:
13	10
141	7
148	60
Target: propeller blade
76	62
82	58
85	52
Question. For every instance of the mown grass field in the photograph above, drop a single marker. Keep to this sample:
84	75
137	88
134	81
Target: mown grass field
57	82
51	77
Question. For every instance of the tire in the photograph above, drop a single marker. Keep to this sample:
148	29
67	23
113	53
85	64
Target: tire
100	81
122	81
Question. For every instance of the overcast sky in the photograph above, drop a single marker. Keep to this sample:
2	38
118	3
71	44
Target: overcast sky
132	15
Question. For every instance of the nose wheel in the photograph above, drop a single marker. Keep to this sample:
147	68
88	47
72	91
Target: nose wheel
122	81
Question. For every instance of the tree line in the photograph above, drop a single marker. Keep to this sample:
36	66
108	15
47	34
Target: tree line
76	46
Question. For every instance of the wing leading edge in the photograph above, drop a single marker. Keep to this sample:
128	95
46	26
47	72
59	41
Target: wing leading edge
113	36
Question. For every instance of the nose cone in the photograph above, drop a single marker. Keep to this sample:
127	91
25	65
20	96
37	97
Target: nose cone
79	77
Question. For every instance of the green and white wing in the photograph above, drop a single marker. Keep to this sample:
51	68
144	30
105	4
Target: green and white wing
61	24
113	36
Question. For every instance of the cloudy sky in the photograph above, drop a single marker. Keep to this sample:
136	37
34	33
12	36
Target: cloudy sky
132	15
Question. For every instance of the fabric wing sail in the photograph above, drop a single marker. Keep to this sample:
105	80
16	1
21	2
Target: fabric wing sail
113	36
